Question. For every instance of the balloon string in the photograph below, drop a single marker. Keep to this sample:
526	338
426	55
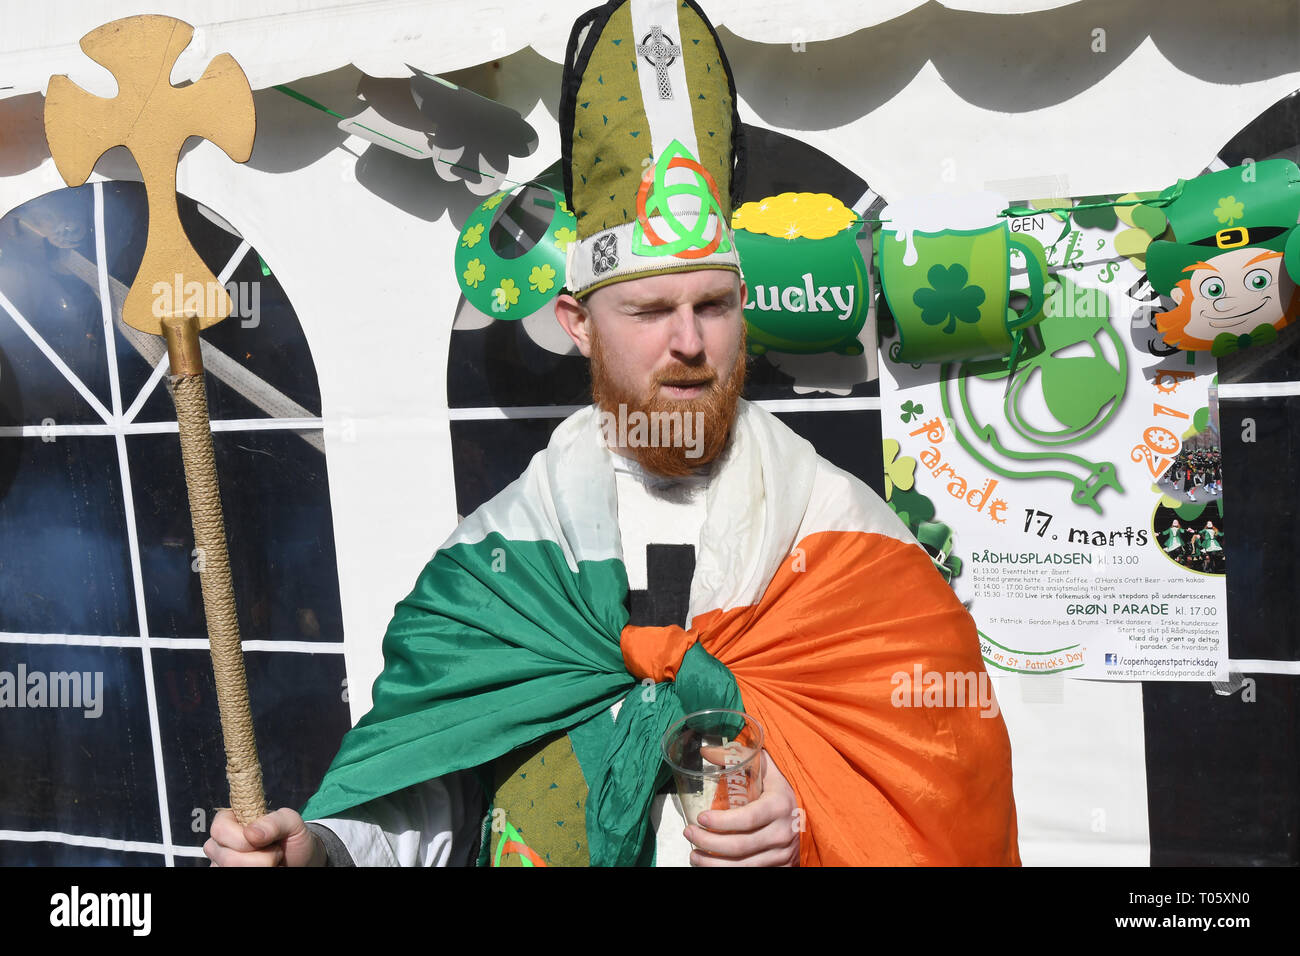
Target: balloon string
1011	212
1020	212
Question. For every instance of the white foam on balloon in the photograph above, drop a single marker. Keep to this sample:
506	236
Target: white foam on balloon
934	212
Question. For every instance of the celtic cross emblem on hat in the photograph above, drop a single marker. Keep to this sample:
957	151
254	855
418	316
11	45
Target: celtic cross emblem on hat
604	254
657	199
660	52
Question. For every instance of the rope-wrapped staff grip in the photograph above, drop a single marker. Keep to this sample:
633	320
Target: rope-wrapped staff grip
186	384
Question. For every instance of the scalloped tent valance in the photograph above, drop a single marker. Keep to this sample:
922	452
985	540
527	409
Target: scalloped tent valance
279	40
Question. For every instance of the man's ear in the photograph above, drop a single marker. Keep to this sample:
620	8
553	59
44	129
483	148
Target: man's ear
576	322
1176	293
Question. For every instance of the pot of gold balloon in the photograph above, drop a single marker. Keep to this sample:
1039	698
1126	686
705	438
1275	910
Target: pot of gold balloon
806	277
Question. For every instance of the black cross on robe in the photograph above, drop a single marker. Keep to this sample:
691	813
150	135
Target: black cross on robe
666	598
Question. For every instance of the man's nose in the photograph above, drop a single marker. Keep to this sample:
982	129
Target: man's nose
1225	303
687	341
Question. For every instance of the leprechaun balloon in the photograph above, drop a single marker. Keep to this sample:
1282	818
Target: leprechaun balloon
1231	257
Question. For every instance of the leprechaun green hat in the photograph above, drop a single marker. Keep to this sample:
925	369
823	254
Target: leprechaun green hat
1255	205
650	137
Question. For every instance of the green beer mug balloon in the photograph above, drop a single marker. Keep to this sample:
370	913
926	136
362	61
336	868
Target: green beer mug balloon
950	290
806	277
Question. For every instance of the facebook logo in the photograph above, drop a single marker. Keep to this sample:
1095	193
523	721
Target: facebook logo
1112	659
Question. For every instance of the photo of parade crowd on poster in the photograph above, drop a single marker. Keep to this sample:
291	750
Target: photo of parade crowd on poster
1196	474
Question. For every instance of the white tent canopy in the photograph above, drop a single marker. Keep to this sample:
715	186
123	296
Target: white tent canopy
279	40
1076	98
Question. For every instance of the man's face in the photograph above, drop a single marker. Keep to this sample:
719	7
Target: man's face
1237	291
668	344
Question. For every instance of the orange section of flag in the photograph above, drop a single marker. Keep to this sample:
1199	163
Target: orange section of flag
864	670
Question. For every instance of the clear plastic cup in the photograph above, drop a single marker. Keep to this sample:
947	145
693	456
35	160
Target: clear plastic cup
716	759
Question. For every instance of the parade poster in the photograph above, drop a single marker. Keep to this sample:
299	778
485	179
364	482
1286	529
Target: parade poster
1070	489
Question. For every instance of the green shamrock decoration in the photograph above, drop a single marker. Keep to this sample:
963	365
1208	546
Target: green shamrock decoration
475	272
900	471
916	511
1146	222
949	298
911	410
542	278
564	235
1103	217
911	506
1229	210
937	540
507	294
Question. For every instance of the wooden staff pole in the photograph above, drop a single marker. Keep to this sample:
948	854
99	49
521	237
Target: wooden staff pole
186	383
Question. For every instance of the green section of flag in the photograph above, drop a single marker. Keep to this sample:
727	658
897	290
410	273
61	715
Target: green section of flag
500	644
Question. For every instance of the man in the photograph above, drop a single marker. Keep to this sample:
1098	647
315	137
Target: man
663	340
532	672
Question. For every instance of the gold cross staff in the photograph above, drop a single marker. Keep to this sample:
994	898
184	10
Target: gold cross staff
153	119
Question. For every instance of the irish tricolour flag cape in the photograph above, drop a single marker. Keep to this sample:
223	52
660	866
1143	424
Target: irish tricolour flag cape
809	600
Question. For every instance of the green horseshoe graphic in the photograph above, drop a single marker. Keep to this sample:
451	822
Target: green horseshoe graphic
1083	393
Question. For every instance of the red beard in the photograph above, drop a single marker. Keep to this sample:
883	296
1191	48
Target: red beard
717	408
